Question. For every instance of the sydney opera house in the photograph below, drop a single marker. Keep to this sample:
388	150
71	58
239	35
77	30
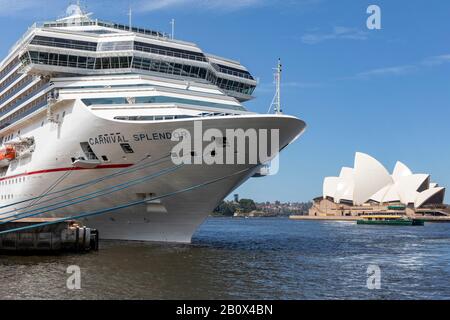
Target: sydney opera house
368	188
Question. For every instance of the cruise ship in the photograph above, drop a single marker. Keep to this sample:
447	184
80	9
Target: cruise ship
88	109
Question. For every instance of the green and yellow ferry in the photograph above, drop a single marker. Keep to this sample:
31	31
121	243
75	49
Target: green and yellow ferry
390	220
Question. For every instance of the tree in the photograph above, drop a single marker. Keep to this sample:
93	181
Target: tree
226	208
247	205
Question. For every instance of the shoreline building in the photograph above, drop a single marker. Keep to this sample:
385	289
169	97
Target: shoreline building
369	188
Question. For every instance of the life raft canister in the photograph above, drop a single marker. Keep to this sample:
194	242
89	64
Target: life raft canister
7	154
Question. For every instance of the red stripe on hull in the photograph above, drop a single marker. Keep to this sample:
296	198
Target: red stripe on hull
106	166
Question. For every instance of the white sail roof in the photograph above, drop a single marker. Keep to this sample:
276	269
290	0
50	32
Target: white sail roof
370	176
424	196
369	180
345	185
330	187
400	171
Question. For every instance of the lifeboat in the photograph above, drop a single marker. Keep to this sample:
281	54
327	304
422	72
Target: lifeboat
7	154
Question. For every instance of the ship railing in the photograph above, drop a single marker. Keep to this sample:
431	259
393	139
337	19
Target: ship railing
10	80
88	23
29	31
236	74
21	100
170	53
15	91
46	43
232	72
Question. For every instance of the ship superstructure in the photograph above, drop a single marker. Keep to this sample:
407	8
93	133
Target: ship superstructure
82	99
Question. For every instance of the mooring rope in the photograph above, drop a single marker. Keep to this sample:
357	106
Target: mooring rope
127	205
46	192
131	169
87	197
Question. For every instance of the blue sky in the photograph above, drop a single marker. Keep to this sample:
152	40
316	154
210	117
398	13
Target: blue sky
384	92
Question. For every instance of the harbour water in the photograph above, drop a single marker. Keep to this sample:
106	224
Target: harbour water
257	258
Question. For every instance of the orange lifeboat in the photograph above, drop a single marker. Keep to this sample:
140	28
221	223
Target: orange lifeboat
7	154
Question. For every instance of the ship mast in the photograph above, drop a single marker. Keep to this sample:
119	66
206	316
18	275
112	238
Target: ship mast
172	22
130	15
276	102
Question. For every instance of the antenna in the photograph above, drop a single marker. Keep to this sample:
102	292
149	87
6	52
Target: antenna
172	22
130	15
276	102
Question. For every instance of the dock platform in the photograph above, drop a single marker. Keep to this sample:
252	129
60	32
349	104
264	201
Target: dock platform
437	219
55	236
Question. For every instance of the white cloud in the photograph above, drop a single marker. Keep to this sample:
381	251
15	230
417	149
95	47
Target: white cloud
338	32
436	60
404	69
270	87
389	71
228	5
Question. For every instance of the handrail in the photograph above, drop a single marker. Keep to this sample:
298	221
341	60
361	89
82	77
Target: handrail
55	44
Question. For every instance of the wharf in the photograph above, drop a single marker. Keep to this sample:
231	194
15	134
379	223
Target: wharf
49	235
356	218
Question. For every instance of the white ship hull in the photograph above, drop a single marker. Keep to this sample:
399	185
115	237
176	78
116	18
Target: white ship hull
175	218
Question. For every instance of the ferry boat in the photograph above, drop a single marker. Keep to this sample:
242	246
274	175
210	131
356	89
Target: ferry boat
87	105
390	220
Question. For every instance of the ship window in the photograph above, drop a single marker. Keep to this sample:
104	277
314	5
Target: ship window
53	59
126	148
62	60
64	43
43	57
73	61
82	62
88	152
233	71
106	63
168	51
90	62
125	62
160	99
115	64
